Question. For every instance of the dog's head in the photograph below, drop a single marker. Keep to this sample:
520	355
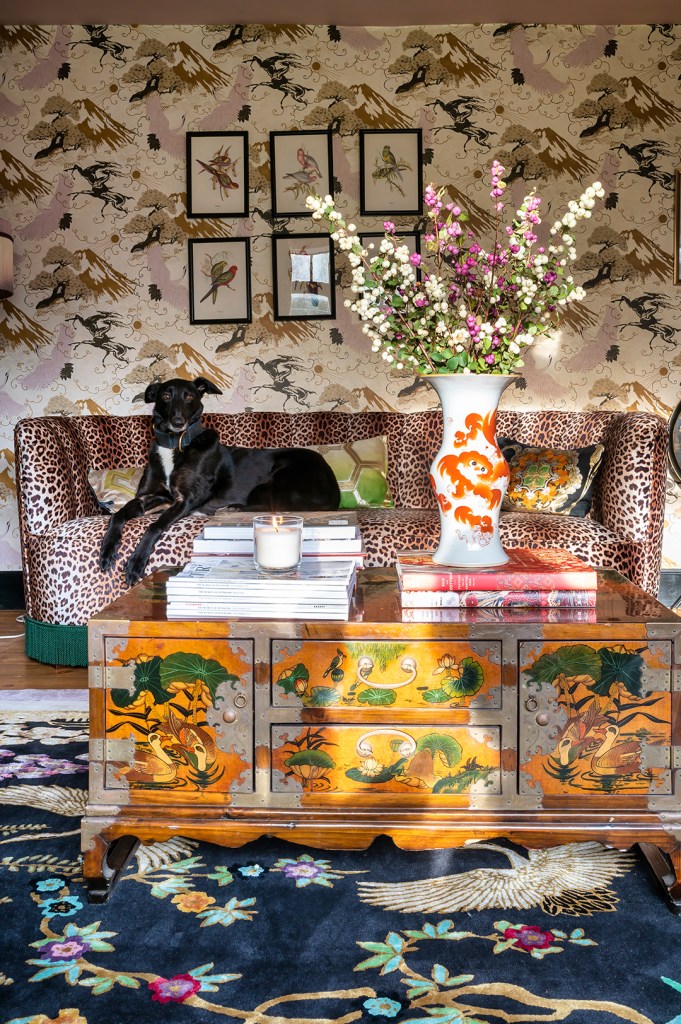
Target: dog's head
177	403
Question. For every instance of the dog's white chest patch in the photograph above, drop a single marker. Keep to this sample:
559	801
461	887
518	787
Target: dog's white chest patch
167	458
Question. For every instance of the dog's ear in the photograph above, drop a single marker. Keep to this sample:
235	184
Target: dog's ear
151	394
206	387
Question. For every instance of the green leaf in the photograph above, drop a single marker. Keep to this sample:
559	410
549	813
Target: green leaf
147	679
287	680
321	696
450	748
619	667
470	681
571	660
438	696
183	667
439	974
126	981
376	697
388	773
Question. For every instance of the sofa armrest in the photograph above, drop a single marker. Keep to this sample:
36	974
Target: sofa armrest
631	490
52	473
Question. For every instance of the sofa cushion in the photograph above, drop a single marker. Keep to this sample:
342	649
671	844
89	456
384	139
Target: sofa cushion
556	480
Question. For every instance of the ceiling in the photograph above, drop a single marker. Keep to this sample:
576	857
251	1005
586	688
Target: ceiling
334	12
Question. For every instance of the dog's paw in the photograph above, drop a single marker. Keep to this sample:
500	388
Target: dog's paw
134	568
107	556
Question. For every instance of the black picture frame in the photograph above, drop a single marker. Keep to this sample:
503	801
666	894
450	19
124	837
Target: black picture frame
303	273
674	446
677	227
411	238
230	298
391	172
217	174
301	163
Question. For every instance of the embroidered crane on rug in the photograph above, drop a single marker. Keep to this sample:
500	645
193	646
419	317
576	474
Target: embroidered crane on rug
570	879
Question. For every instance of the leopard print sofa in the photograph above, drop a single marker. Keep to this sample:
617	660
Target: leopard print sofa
62	526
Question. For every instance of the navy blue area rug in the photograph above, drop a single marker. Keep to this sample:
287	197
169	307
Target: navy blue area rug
274	933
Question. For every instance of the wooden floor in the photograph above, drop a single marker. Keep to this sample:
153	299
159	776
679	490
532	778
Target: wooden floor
17	672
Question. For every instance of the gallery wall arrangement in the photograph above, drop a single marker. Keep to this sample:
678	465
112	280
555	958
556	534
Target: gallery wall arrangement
154	181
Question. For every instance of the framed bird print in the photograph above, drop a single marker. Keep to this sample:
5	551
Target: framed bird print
303	272
219	280
677	227
390	172
217	174
300	164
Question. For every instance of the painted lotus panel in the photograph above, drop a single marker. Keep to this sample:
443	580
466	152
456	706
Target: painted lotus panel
179	717
596	718
417	762
384	674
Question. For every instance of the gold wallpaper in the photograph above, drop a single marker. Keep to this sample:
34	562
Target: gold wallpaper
93	123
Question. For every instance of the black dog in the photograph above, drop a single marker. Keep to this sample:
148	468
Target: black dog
189	468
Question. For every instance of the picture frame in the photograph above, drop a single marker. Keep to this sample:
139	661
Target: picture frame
300	163
677	227
217	174
390	171
304	277
674	447
411	238
219	280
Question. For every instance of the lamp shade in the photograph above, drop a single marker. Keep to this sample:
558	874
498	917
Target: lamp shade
6	265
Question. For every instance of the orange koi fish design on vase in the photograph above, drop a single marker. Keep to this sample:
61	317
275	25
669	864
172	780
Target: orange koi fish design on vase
469	474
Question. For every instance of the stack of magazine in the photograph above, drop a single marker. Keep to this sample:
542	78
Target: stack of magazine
232	587
327	535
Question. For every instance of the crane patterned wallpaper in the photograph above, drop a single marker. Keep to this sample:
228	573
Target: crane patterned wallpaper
93	121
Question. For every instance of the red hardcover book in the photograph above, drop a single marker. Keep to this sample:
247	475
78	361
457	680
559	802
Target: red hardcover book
498	598
526	569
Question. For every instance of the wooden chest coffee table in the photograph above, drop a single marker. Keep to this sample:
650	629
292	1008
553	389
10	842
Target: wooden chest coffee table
545	726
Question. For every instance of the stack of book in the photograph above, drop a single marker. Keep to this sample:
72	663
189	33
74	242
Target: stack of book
327	535
532	578
232	587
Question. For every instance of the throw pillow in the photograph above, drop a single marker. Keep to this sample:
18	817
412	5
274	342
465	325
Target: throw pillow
361	468
113	487
549	479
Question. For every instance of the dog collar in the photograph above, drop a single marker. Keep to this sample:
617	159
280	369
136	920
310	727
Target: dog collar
179	441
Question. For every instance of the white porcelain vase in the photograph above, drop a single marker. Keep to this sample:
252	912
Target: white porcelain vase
469	474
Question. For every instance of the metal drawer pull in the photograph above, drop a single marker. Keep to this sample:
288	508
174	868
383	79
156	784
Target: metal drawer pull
531	704
366	664
241	700
407	749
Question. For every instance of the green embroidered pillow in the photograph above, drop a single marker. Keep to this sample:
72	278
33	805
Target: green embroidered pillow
549	479
361	468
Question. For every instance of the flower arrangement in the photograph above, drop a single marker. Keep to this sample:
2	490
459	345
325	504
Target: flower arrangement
470	310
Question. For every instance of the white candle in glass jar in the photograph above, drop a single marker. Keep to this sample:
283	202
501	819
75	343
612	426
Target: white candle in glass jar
277	541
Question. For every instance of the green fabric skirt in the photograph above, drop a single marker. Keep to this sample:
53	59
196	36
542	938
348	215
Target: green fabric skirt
56	644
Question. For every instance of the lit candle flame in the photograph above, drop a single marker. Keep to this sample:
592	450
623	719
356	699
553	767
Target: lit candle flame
276	522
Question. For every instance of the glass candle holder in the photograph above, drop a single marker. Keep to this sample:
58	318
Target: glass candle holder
277	543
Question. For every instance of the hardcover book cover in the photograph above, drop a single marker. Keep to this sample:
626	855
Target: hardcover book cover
316	525
527	569
498	598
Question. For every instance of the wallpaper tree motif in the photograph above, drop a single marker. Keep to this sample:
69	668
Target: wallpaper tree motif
93	123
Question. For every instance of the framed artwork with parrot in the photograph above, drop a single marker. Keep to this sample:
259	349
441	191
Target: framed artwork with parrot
217	174
300	165
219	280
390	172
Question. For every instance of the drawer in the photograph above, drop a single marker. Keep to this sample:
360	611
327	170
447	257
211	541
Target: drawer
423	674
416	762
178	717
595	718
